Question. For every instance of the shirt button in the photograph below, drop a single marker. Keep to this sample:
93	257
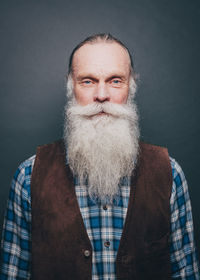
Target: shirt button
107	244
105	207
87	253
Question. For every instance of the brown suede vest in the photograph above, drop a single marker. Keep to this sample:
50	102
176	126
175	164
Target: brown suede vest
61	248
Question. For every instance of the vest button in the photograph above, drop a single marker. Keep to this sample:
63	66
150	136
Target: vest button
87	253
105	207
107	244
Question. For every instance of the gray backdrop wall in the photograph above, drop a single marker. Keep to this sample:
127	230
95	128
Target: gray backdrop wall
36	40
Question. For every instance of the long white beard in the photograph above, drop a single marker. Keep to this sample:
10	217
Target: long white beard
101	148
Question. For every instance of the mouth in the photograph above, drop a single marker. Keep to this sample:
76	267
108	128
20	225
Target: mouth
101	113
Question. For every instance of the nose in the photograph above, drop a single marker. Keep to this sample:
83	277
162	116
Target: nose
102	94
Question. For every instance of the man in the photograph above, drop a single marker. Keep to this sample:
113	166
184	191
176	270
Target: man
99	204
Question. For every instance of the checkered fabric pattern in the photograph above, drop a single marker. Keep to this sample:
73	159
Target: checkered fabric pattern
104	227
104	224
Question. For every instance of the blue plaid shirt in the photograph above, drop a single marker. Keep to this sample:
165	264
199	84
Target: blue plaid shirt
104	226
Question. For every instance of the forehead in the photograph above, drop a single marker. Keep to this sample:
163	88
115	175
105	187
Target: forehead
101	58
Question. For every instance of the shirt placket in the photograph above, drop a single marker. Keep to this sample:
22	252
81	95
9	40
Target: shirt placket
107	242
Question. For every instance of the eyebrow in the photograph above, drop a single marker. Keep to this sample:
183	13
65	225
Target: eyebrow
92	77
87	76
116	77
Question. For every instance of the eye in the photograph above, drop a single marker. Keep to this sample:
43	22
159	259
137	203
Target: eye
116	82
87	82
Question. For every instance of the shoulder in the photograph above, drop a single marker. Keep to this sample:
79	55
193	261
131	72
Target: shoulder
24	169
54	147
155	152
151	151
180	193
177	171
155	158
179	180
22	178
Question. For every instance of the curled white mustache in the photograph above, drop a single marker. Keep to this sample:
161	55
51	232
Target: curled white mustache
90	110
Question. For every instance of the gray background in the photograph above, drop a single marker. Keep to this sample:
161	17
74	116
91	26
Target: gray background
36	40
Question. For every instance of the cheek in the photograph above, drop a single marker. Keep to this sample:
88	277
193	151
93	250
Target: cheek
83	97
119	96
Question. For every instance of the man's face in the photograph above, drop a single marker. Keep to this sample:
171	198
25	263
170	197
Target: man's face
101	72
102	148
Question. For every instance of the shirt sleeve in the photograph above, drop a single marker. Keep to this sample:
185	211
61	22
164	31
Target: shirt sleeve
184	259
16	236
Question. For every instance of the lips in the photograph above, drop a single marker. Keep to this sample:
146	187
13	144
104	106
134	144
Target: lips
101	113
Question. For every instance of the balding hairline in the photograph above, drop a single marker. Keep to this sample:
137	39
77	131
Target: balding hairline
100	38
